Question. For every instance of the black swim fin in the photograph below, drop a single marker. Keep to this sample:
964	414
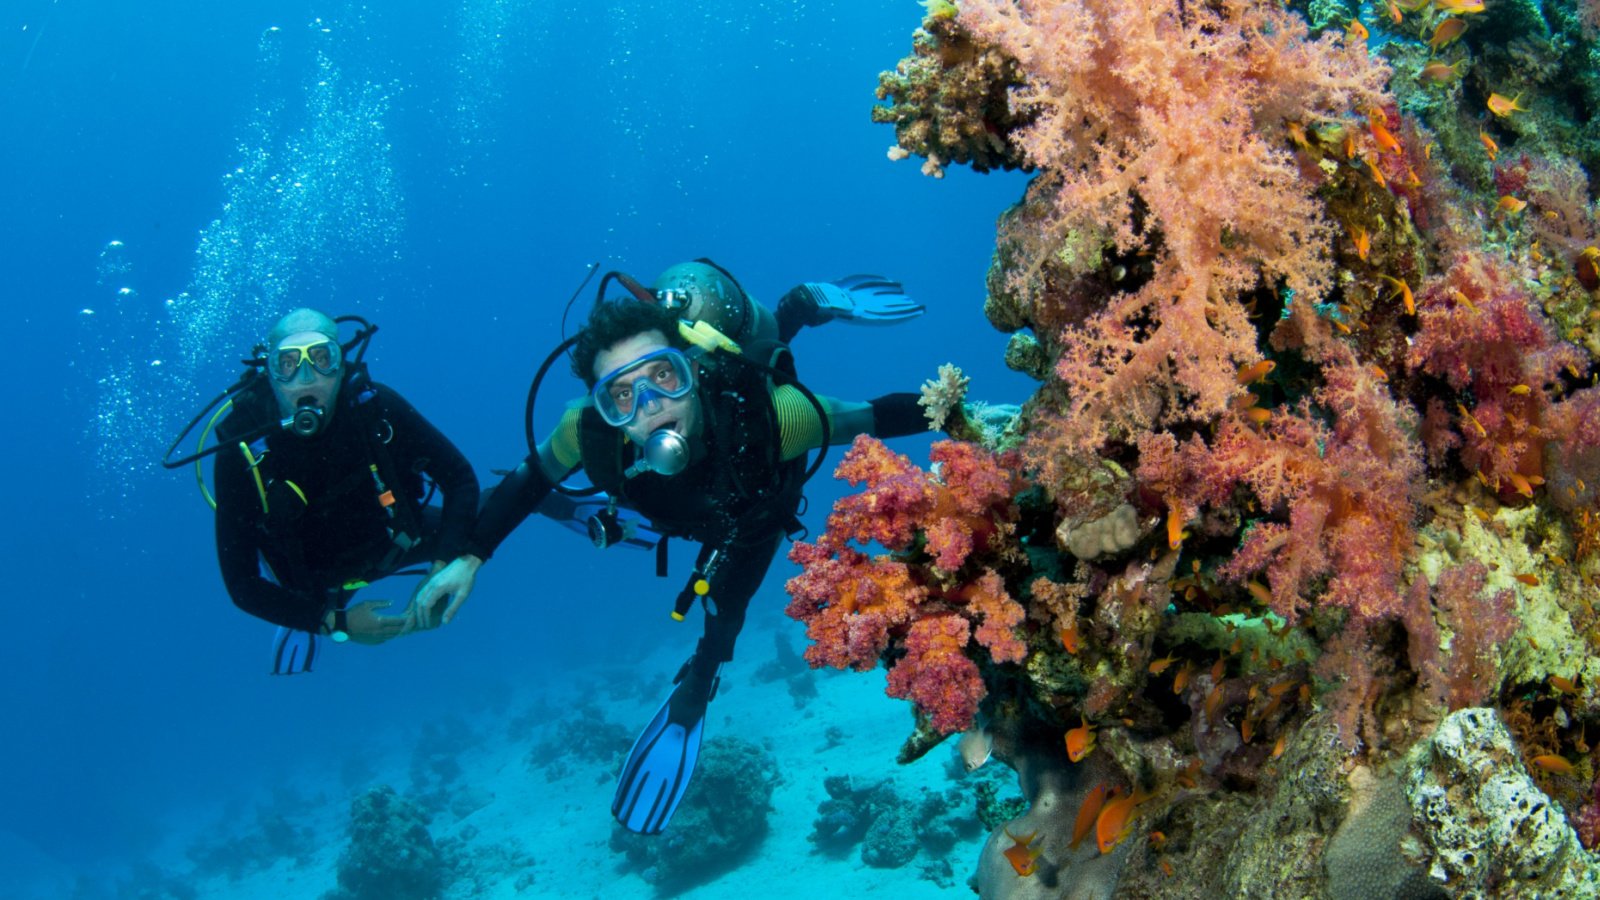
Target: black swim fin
658	770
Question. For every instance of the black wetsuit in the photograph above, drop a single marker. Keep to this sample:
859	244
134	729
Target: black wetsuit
746	547
339	534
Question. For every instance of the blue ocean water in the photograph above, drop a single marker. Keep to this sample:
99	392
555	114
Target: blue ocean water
179	174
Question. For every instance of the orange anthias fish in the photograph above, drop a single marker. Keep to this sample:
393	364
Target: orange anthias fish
1358	31
1256	372
1502	107
1489	145
1175	531
1378	124
1116	820
1089	812
1509	205
1069	637
1447	31
1022	855
1160	665
1080	741
1363	241
1403	291
1297	133
1460	7
1437	72
1550	763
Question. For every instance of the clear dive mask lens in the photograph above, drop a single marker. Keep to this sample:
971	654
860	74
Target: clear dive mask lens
322	356
660	375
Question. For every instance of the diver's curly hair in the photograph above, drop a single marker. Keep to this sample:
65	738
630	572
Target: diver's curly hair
614	320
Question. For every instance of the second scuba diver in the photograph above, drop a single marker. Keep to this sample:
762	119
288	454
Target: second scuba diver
696	420
326	490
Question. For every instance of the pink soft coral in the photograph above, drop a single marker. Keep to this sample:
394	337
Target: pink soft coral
1161	127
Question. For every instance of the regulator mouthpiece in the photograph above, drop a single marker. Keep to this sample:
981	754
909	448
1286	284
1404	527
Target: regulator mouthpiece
666	452
307	420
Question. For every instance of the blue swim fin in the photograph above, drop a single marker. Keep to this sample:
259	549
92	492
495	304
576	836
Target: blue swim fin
293	651
661	764
864	300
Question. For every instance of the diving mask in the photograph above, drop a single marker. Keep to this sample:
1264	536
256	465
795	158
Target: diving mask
664	374
286	360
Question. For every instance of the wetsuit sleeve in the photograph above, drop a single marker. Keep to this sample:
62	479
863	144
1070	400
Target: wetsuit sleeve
238	554
420	444
521	492
892	415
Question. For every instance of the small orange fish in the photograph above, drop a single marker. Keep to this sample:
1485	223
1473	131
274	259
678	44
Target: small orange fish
1358	31
1525	578
1447	31
1259	592
1461	7
1509	205
1262	416
1116	820
1247	729
1520	482
1464	300
1088	812
1080	741
1548	762
1502	107
1181	680
1482	432
1069	637
1564	685
1175	530
1158	839
1363	241
1297	133
1219	669
1378	124
1377	174
1256	372
1277	748
1394	12
1022	855
1403	291
1489	145
1520	389
1379	373
1161	665
1437	72
1213	703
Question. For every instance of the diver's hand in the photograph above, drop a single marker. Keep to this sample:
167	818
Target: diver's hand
454	581
366	625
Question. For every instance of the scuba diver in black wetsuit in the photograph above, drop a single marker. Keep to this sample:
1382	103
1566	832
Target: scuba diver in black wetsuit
321	486
697	421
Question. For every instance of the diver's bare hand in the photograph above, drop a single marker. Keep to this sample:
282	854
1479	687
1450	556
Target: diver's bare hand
366	625
455	581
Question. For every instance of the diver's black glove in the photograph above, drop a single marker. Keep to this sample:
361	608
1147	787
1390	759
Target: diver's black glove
898	415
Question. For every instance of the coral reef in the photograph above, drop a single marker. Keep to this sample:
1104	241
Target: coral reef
391	855
722	820
1299	535
890	829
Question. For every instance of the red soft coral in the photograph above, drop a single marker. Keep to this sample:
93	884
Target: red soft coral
1479	329
1001	615
936	674
850	603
